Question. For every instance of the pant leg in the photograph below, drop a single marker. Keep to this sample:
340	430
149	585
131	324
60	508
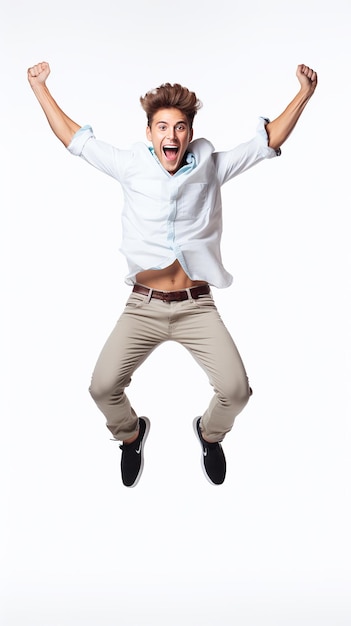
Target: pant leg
137	333
201	330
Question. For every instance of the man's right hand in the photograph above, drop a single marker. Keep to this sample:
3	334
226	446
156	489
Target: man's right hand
63	127
38	73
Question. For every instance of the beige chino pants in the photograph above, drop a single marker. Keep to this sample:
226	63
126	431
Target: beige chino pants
144	325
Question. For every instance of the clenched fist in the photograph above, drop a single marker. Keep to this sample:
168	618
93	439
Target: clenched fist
38	73
307	77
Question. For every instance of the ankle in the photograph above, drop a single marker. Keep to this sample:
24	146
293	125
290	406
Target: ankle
204	437
131	439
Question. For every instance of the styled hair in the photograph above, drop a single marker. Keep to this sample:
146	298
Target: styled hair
169	96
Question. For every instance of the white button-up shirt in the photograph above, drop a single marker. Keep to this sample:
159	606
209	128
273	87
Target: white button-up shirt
167	217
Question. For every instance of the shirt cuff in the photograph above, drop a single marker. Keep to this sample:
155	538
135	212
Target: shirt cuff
79	140
262	133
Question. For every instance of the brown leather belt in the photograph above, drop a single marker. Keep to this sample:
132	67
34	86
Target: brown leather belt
173	296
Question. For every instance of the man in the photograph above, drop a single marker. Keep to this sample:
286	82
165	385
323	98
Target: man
171	239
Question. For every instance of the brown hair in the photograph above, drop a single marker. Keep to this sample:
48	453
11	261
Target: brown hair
169	96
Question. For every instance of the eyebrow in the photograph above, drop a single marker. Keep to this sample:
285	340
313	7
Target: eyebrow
167	123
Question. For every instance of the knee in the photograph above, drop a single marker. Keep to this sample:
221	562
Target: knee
98	391
105	387
102	390
236	395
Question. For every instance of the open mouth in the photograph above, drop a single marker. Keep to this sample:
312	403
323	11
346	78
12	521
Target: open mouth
170	152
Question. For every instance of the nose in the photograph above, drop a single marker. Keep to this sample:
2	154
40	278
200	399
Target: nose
171	133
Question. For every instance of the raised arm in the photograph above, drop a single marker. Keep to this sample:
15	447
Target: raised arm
63	127
279	129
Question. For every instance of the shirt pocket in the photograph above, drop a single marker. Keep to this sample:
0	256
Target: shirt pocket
145	197
192	200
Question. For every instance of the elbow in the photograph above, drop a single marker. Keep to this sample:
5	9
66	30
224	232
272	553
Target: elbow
275	145
67	137
274	140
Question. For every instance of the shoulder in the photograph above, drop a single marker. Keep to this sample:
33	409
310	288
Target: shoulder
201	148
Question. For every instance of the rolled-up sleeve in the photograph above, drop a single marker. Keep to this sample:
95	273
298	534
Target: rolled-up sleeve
262	135
100	154
79	140
245	155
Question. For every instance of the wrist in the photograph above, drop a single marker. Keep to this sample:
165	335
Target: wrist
307	91
39	88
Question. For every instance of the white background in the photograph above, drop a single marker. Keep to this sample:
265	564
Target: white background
272	545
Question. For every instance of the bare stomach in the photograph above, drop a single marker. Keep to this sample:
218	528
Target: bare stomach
171	278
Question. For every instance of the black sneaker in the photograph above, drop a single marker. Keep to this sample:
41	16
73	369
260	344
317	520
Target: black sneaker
212	458
132	461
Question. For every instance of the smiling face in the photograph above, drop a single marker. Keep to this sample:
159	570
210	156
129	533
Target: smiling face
170	135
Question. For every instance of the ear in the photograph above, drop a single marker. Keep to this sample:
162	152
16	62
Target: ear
148	133
191	134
